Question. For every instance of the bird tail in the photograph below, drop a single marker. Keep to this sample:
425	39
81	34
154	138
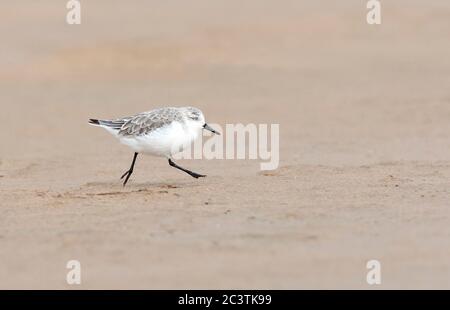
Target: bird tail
116	125
94	121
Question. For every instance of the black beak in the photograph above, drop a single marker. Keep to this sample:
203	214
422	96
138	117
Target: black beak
206	126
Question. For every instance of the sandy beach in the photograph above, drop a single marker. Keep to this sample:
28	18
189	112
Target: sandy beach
364	172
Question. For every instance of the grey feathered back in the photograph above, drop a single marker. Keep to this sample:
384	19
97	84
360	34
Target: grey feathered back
143	123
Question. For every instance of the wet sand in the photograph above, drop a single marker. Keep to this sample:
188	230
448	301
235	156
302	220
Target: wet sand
364	114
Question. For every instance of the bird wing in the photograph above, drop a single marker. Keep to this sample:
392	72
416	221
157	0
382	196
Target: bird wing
144	123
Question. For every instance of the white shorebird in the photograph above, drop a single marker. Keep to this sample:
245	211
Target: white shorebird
160	132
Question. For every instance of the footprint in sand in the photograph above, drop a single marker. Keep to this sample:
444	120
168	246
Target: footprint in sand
275	173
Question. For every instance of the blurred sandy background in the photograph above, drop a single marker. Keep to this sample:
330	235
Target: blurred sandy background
364	114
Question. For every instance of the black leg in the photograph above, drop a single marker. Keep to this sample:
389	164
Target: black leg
192	174
130	171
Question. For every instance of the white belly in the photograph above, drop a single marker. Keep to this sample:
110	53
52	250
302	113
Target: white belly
165	141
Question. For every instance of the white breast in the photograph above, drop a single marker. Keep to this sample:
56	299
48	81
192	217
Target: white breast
165	141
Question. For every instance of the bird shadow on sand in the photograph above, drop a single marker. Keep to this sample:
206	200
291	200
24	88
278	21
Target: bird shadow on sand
116	188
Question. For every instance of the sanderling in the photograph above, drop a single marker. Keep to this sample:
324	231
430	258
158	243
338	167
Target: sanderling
160	132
